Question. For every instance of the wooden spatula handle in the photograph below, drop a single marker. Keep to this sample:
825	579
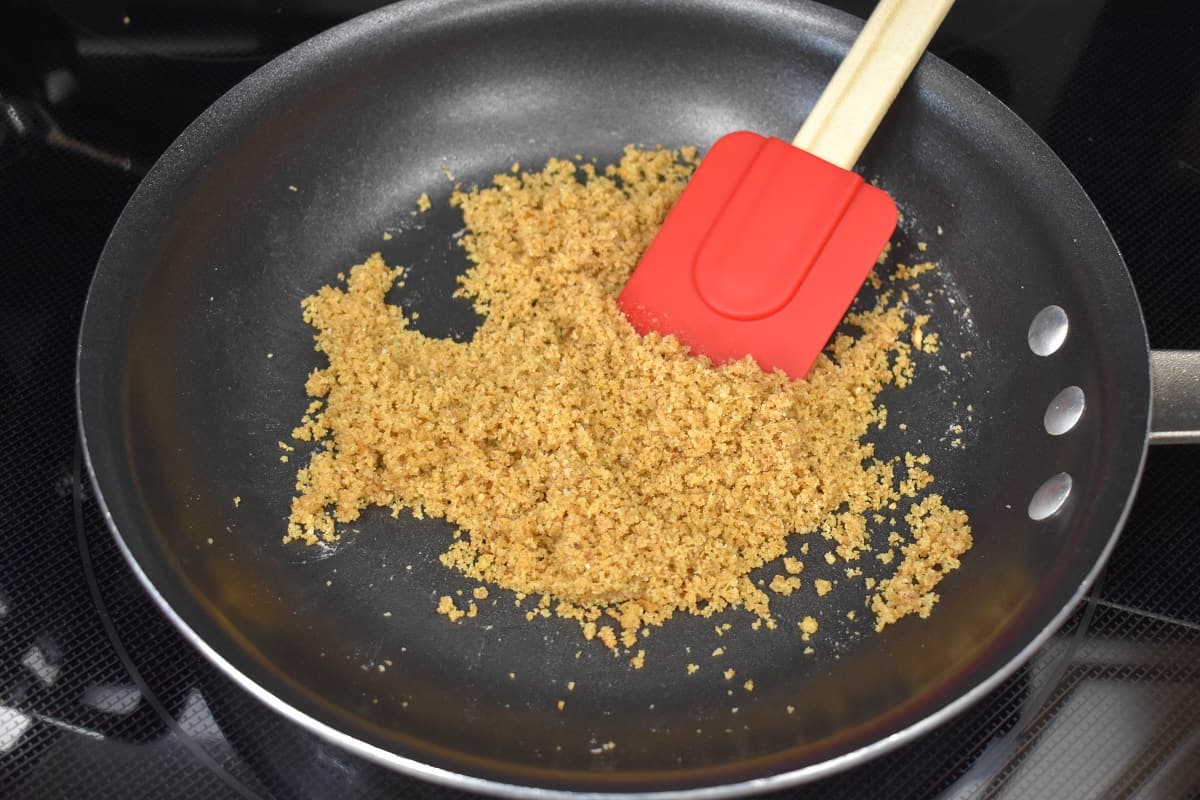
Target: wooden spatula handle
864	86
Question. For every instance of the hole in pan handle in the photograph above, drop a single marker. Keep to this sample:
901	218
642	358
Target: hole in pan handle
1175	414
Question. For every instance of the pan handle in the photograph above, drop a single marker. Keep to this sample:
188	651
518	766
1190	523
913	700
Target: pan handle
1175	412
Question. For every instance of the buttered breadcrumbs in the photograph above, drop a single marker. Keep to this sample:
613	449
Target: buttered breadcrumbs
616	474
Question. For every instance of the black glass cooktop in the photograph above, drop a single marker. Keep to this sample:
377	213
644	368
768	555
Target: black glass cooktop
100	697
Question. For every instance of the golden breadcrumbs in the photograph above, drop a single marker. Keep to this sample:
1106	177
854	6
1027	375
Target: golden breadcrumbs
616	474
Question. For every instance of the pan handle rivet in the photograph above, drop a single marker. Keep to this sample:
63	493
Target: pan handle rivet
1050	496
1064	411
1048	330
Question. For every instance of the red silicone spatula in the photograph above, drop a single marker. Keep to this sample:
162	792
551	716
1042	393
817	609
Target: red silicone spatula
768	245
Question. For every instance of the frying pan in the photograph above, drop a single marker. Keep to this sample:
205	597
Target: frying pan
193	355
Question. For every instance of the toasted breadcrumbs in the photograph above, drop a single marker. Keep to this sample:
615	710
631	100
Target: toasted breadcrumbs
616	474
784	584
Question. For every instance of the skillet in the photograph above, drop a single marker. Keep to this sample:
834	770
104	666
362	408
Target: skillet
193	354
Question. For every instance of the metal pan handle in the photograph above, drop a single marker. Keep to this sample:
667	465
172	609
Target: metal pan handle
1175	380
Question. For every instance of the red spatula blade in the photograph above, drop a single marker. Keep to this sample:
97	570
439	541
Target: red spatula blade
761	255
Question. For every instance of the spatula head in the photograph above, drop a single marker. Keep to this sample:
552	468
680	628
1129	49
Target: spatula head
761	255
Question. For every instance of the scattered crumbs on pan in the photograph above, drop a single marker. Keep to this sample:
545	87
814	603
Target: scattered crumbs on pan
692	669
569	383
922	246
446	171
210	540
270	355
237	501
283	459
939	230
791	709
570	686
720	651
729	674
748	685
480	593
447	608
285	446
515	168
808	651
292	188
328	584
423	203
387	236
639	660
561	704
808	626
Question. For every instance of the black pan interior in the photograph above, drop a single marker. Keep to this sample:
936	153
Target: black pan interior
193	356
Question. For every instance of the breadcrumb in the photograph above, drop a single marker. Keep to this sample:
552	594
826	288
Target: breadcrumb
567	449
446	607
784	585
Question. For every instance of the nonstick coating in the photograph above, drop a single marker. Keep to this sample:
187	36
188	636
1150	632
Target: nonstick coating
193	357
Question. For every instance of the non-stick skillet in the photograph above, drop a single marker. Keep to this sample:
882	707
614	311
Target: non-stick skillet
193	356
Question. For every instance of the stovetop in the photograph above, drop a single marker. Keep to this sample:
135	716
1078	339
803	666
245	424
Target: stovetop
100	697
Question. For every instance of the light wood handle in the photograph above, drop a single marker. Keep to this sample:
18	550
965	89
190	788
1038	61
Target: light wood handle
864	86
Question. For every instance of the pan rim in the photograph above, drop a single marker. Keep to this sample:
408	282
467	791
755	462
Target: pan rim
441	775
